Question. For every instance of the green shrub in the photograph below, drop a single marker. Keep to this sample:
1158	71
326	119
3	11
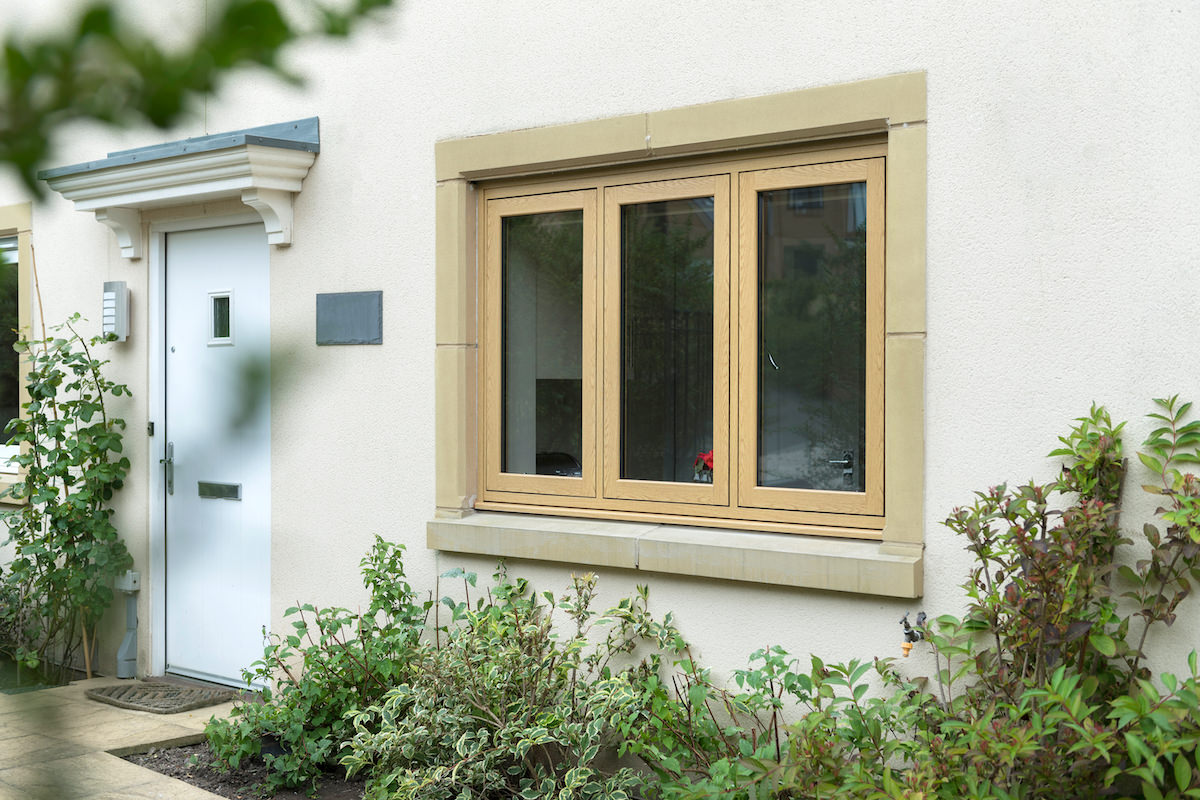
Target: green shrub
503	704
332	664
1041	690
706	741
66	549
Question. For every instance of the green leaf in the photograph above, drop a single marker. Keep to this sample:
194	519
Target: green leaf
1183	772
859	671
1103	644
1152	463
1189	439
1127	574
1138	752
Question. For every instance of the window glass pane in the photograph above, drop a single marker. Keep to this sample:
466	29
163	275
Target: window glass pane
666	337
220	317
10	364
542	318
812	337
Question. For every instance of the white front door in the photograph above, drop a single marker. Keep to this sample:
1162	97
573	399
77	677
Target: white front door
217	448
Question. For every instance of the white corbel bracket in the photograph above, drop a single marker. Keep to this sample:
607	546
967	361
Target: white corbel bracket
126	223
275	208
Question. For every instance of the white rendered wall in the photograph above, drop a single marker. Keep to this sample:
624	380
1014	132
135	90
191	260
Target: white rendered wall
1063	218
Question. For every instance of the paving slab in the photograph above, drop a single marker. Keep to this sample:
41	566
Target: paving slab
57	744
33	748
55	717
170	789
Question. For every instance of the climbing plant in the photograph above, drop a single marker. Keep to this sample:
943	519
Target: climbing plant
66	550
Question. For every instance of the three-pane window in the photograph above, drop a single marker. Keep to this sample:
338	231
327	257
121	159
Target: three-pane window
703	347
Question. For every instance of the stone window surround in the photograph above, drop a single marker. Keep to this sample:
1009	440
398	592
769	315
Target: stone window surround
892	105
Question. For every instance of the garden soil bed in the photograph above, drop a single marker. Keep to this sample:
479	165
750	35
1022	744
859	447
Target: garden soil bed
190	764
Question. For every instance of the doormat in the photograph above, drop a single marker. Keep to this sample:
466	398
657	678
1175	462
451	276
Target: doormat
160	698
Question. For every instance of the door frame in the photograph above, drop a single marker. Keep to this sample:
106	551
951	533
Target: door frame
156	410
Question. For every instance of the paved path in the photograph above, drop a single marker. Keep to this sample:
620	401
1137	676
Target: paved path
56	744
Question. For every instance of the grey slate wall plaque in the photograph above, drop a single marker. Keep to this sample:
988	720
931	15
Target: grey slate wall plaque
350	318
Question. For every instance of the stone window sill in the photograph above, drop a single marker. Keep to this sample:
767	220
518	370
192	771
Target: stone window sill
779	559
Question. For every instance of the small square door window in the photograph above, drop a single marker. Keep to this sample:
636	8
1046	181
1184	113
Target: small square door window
220	318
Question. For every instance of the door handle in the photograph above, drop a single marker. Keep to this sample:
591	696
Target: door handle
169	467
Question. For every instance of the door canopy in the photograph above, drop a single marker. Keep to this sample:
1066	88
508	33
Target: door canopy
263	167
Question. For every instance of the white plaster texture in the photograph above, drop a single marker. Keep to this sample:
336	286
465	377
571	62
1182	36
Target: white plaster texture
1062	222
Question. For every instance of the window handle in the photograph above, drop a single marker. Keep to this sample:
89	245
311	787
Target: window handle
846	462
169	467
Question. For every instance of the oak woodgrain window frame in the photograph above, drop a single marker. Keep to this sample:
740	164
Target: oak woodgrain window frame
494	214
869	171
732	498
626	493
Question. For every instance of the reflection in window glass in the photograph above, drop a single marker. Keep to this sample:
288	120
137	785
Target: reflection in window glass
812	338
666	337
10	365
542	316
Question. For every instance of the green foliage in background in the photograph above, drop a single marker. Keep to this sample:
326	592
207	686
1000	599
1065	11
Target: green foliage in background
100	68
67	550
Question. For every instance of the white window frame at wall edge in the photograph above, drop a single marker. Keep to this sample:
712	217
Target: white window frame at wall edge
9	472
16	221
